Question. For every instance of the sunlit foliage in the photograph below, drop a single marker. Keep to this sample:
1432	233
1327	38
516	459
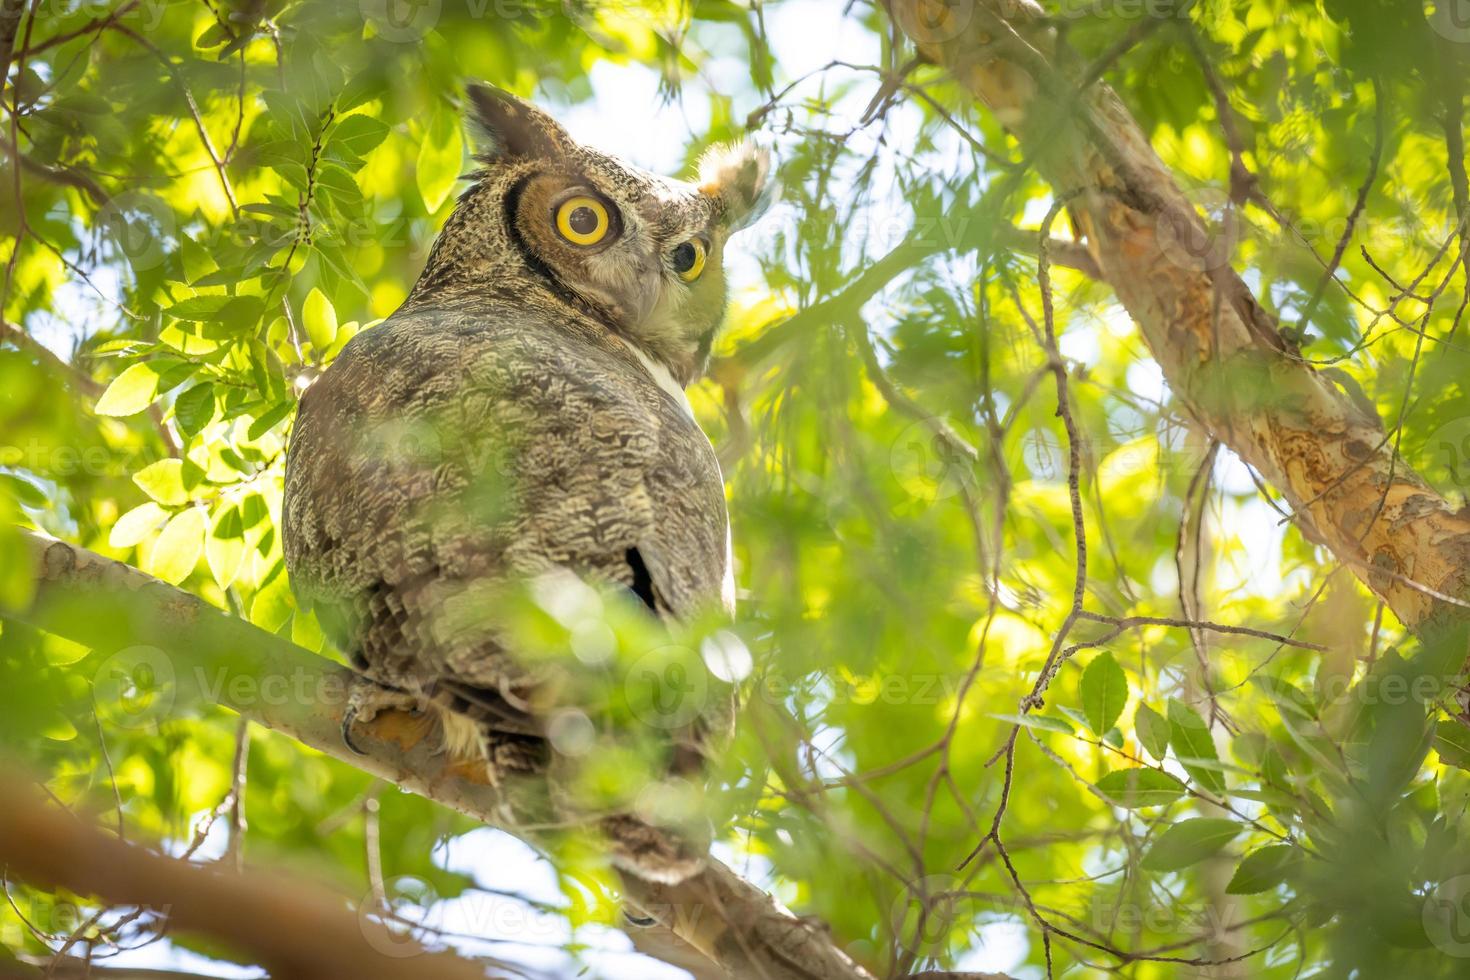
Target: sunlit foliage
204	202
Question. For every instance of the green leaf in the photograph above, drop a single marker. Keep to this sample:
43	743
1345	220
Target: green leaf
1078	717
199	308
224	549
359	134
1152	730
136	525
1190	842
319	319
1264	869
17	570
1192	742
1104	692
441	159
1452	743
177	550
273	605
269	420
22	490
339	182
1289	699
1134	788
212	36
169	481
306	631
194	409
171	375
130	392
1045	723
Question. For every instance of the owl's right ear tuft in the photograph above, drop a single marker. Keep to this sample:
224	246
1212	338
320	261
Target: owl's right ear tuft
738	176
511	128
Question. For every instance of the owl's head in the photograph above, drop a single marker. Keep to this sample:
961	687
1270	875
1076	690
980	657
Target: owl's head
639	252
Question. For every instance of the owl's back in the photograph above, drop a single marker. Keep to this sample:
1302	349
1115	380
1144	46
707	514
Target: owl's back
452	448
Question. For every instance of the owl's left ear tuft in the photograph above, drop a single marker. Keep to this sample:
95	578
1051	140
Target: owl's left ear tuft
511	128
738	176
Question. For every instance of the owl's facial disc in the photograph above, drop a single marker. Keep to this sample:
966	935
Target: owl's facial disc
643	254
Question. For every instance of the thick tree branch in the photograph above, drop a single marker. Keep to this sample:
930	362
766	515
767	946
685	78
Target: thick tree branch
294	929
1220	351
64	176
75	968
201	654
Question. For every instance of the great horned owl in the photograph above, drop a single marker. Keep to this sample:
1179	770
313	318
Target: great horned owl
523	414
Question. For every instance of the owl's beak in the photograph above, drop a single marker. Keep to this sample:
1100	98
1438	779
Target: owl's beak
649	288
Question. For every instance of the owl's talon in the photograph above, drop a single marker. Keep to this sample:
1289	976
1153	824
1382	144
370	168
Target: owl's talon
366	699
349	717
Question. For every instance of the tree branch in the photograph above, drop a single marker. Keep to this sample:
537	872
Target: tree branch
64	176
10	14
201	654
1220	351
296	930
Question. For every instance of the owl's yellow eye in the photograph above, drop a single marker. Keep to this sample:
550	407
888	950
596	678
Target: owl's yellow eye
688	259
582	220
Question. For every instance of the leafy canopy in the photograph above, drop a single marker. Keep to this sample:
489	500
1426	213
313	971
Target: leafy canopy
214	198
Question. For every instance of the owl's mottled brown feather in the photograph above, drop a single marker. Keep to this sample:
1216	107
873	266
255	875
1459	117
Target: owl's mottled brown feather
507	422
449	446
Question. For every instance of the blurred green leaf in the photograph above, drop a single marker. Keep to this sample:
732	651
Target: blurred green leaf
194	409
169	481
441	159
1190	842
179	546
130	392
1452	742
319	319
1193	744
1264	869
1104	692
136	525
1152	730
1134	788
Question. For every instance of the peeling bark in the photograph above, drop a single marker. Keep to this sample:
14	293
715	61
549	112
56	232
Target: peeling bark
1220	351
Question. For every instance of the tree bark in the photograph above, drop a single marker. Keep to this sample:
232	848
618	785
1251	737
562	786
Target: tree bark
297	930
196	653
1220	351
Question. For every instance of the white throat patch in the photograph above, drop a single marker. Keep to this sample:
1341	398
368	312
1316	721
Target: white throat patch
661	375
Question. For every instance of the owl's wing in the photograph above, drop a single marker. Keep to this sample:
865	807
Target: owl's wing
444	454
